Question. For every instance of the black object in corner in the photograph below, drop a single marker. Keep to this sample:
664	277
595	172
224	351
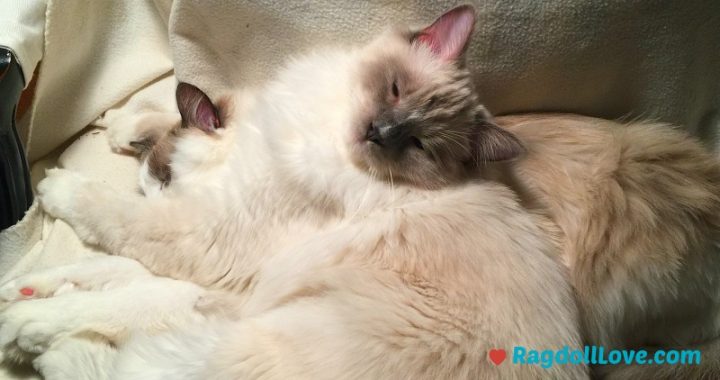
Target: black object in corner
15	190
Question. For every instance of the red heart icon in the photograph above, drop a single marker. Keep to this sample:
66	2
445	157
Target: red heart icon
497	356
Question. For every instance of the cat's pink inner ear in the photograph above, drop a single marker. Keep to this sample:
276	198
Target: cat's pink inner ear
196	108
448	36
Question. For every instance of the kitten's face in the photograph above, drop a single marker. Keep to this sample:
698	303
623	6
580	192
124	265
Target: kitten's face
418	119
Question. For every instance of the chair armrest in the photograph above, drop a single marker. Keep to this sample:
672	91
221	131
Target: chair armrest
15	188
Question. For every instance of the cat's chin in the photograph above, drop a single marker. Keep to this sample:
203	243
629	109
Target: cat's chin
368	158
362	156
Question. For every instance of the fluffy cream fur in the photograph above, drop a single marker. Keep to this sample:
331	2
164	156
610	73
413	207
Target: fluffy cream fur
326	270
322	266
638	208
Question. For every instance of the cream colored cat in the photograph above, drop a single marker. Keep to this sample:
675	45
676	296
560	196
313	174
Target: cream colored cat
633	209
339	212
638	207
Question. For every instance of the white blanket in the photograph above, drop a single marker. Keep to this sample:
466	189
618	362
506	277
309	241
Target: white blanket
107	61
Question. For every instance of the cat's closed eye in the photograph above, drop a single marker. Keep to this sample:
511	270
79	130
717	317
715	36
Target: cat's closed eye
395	90
418	144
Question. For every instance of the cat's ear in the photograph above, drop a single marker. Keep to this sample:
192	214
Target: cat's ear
494	143
448	36
196	108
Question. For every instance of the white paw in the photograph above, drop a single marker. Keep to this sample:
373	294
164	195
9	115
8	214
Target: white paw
121	136
33	325
34	285
13	291
90	274
138	132
58	192
76	359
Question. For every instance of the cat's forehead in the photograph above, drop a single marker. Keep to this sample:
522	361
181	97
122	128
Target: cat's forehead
394	56
429	85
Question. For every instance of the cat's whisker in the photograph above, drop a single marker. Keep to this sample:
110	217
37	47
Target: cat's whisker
466	149
458	133
392	186
371	179
454	140
433	152
454	136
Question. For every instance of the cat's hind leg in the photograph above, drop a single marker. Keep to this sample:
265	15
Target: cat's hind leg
150	304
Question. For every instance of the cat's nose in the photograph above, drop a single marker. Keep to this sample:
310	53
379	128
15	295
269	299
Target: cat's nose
386	135
373	134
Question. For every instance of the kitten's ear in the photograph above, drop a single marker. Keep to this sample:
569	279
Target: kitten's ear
196	108
448	36
494	143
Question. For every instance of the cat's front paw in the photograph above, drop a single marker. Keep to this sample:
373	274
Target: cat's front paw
123	138
59	191
34	285
13	291
32	325
76	358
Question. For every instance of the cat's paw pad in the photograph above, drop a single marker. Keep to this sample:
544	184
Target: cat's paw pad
32	286
58	191
11	292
